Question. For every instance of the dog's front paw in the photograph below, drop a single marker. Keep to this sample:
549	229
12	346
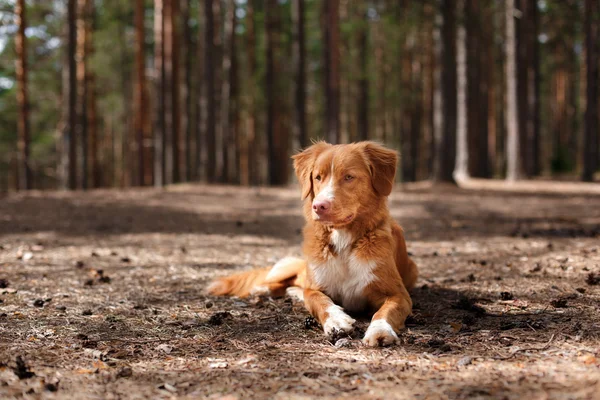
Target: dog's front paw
380	333
337	322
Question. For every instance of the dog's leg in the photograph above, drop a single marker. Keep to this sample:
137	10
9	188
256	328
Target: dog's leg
388	320
331	316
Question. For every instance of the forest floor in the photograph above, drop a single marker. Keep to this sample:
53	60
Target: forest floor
102	297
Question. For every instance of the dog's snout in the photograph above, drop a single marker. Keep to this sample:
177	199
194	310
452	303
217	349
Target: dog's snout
321	206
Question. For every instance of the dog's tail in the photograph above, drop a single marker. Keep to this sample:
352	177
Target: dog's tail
271	281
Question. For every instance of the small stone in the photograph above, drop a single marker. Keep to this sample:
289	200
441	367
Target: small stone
50	387
38	303
125	372
344	342
465	361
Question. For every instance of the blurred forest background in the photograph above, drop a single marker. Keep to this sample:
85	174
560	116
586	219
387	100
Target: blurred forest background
99	93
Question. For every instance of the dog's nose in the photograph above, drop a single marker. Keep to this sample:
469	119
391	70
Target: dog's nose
321	206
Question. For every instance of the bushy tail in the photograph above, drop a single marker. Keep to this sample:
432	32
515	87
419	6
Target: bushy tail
271	281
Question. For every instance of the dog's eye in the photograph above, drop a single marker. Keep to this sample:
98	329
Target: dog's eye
349	177
318	177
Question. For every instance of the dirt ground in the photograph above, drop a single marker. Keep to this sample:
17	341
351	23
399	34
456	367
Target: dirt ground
102	297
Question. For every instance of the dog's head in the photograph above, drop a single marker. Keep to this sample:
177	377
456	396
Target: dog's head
343	182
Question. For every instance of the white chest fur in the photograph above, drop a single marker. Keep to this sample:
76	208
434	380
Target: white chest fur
344	276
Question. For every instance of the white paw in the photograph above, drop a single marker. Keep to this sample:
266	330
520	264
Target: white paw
380	333
337	320
295	292
260	291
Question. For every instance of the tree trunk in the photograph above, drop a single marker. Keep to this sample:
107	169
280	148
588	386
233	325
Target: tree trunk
169	91
522	62
513	158
228	145
140	107
535	77
186	92
331	47
176	89
82	32
464	111
590	149
209	79
70	131
199	125
277	137
92	123
24	169
363	80
490	61
252	139
299	51
159	73
446	105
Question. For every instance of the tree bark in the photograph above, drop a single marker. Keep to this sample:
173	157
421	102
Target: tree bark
590	149
82	133
186	92
24	168
463	109
176	89
331	35
199	125
70	131
159	73
140	107
252	139
229	142
277	138
446	145
535	81
299	50
92	123
363	80
513	158
169	91
209	79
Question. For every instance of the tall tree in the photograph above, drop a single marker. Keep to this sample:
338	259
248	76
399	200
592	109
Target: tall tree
363	80
140	99
446	115
252	139
159	72
227	132
91	113
299	50
209	75
534	77
176	88
23	120
277	137
461	169
331	31
82	89
169	90
513	158
186	90
592	36
476	89
199	125
70	126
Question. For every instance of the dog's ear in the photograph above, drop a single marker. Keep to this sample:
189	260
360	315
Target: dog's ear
304	163
382	164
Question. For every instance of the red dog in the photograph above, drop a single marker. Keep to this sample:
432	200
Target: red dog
355	253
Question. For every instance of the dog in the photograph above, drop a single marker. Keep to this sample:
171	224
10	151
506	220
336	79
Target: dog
355	257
